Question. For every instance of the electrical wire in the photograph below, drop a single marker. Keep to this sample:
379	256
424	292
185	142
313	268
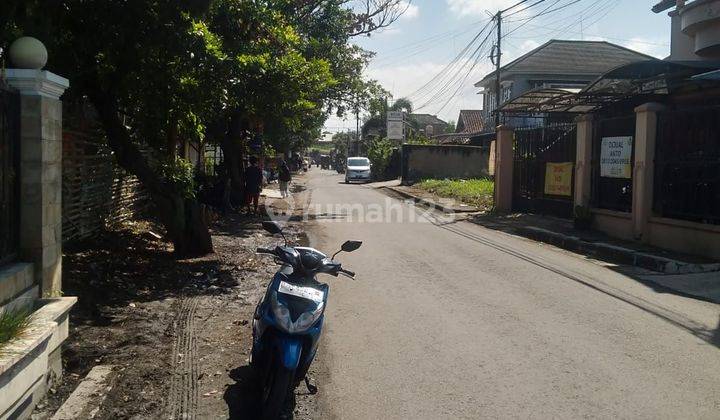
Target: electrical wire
523	9
553	30
516	5
441	75
603	7
479	52
452	81
414	51
546	11
542	13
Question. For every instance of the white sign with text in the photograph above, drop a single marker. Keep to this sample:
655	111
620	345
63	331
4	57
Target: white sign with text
616	157
395	116
395	130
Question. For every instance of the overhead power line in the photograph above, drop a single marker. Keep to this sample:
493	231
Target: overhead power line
524	8
542	13
516	5
599	9
479	53
458	60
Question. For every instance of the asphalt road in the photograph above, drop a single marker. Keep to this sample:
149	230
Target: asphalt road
457	321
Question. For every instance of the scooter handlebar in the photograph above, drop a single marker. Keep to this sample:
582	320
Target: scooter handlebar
262	250
348	272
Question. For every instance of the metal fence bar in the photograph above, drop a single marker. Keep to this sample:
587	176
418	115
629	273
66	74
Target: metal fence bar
687	165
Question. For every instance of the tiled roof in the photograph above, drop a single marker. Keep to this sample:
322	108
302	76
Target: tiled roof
426	119
564	57
470	121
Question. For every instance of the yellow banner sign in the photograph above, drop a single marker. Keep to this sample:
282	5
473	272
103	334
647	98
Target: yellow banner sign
558	178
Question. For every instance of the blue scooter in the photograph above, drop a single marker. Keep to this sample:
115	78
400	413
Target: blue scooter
288	320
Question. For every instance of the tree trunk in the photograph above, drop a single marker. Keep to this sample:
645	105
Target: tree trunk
233	158
182	217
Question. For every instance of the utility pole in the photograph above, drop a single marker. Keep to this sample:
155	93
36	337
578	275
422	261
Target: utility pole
357	131
498	55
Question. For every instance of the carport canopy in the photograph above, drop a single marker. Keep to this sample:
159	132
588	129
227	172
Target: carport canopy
650	78
544	100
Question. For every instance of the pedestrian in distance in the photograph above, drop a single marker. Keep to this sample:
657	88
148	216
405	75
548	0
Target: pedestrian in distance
284	178
253	185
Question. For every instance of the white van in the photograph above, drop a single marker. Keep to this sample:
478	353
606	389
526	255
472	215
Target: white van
357	169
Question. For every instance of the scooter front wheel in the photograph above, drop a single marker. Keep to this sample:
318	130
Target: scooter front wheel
276	386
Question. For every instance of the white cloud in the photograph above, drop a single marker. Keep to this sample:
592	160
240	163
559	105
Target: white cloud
651	47
477	7
412	10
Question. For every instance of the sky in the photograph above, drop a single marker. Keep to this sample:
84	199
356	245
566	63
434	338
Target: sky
432	33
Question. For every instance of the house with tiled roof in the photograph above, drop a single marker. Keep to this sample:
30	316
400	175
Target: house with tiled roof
469	129
421	123
470	121
556	64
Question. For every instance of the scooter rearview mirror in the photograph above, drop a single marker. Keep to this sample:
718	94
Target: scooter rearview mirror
350	246
272	227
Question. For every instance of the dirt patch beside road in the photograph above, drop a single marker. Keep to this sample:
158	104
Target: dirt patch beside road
178	331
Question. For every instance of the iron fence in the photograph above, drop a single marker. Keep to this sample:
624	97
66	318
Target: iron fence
687	165
533	150
612	193
9	174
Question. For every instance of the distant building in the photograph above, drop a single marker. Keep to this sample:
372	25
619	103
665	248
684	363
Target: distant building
555	64
470	129
429	125
695	29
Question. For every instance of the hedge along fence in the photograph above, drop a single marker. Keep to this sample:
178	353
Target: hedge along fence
97	194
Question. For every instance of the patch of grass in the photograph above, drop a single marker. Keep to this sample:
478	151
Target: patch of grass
12	324
476	192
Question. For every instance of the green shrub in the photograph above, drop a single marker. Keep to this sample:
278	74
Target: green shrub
379	152
12	324
181	175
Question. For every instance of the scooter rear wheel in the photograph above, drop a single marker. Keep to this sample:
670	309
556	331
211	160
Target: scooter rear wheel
276	387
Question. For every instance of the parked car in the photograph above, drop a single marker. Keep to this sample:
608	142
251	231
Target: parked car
357	169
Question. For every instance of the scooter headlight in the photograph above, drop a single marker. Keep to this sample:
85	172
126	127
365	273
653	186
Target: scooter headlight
284	320
307	319
281	312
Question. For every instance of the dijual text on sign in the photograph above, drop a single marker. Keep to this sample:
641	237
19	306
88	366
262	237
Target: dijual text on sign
616	157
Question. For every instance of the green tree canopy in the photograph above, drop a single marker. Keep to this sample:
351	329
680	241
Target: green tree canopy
162	71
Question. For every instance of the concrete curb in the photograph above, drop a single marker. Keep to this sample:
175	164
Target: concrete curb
429	203
617	254
85	401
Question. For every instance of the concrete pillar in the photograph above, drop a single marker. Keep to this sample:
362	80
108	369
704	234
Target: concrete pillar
644	167
583	158
41	173
504	161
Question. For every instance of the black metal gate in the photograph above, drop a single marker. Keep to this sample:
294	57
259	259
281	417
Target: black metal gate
687	165
9	173
538	152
